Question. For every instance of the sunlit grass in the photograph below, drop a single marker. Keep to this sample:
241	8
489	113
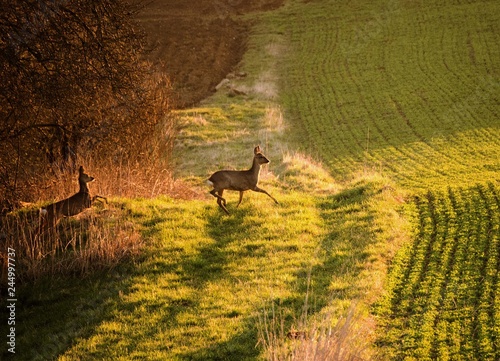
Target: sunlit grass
200	286
207	277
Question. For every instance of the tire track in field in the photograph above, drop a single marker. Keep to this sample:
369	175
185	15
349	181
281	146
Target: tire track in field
391	136
435	77
433	150
383	115
495	294
489	272
450	250
351	134
479	87
458	158
386	136
334	135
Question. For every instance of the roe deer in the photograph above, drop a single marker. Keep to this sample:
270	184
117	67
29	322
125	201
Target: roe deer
73	205
238	180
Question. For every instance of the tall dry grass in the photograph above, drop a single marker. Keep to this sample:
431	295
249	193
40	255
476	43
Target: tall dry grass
98	238
320	338
92	241
323	336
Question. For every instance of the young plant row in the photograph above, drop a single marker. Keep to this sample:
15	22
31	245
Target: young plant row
443	300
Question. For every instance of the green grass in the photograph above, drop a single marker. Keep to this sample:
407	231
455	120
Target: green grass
379	119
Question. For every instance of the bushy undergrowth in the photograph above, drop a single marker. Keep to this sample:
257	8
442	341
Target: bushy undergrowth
75	86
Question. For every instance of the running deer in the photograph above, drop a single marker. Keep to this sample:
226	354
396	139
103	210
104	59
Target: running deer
238	180
73	205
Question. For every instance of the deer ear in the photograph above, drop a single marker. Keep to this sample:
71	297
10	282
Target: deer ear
81	169
257	149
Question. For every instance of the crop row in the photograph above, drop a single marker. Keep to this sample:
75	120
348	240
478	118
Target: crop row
444	296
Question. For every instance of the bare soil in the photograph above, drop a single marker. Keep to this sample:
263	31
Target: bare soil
197	43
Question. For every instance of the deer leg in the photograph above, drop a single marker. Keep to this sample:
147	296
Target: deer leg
241	197
257	189
220	201
218	196
223	199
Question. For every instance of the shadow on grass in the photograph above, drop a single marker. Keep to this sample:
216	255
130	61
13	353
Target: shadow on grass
240	347
51	313
342	253
158	300
187	317
209	266
182	308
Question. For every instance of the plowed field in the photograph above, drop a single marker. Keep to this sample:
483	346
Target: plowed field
198	43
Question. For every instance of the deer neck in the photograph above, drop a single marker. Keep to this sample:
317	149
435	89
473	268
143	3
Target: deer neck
255	170
83	188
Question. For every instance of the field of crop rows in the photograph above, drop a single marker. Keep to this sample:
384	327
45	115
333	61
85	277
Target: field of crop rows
408	90
445	287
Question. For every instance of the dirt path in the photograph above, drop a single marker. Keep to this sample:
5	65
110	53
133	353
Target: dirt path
198	43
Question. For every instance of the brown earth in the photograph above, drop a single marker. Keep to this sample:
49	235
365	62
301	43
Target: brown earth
197	43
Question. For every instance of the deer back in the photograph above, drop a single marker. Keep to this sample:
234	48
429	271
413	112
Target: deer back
238	180
76	204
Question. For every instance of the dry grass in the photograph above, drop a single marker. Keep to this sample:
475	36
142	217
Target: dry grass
302	172
323	338
98	238
77	246
266	85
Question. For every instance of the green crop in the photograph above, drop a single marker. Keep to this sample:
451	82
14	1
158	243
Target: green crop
444	286
408	90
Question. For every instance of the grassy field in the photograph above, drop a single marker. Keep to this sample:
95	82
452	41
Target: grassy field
200	287
381	123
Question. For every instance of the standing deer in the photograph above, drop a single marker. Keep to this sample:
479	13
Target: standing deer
238	180
73	205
